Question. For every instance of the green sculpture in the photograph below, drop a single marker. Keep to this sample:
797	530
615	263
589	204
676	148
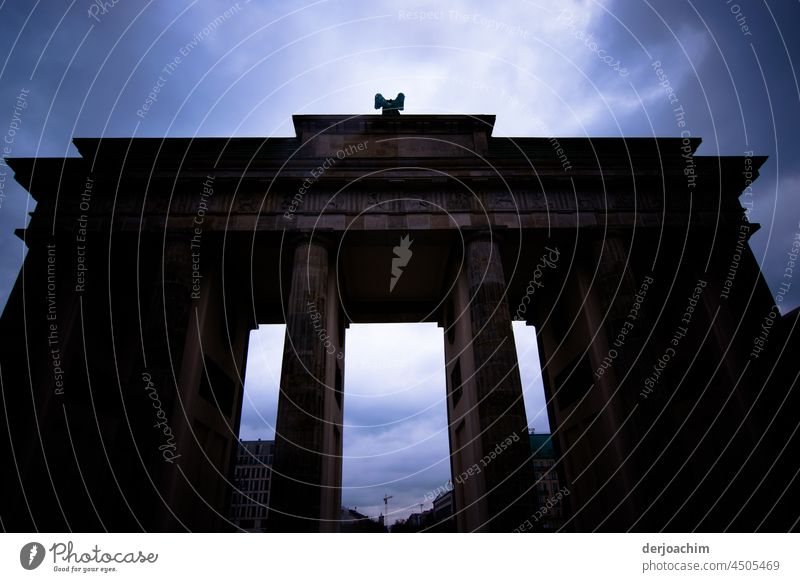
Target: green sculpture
390	106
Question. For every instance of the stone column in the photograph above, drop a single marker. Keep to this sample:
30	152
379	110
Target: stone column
156	396
490	449
160	382
306	479
184	392
613	351
616	348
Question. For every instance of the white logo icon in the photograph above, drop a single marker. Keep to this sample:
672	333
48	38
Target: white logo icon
31	555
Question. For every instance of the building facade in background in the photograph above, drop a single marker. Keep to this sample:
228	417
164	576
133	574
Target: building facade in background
251	479
550	497
443	509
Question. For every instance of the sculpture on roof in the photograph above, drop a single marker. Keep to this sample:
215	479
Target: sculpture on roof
390	106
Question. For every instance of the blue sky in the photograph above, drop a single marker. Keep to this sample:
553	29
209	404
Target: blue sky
579	68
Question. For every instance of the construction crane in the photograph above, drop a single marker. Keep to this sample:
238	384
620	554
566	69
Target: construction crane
386	499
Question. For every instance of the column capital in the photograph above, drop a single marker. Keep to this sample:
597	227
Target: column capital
494	234
322	237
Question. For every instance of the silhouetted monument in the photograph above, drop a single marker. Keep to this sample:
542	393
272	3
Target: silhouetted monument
390	106
151	260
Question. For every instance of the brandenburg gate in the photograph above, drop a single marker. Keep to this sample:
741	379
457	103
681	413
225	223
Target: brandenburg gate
151	260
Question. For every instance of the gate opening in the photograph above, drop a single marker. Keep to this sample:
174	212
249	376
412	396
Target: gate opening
530	370
395	414
262	382
395	419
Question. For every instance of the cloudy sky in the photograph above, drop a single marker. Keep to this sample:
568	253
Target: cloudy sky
579	68
395	426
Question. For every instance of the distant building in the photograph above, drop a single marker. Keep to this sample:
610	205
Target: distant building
550	498
251	480
351	521
416	522
421	519
443	512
